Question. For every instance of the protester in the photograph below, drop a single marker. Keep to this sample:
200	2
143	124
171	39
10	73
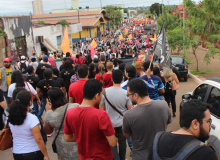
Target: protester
156	72
76	89
158	84
27	140
3	106
55	109
99	76
33	80
88	60
41	67
22	65
91	128
58	61
5	77
51	60
34	63
195	124
92	71
118	98
107	77
138	121
43	86
56	77
170	94
139	69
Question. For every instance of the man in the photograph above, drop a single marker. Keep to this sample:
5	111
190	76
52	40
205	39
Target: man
41	67
51	60
58	61
76	89
145	120
22	65
91	128
195	124
103	61
118	98
158	84
5	77
33	80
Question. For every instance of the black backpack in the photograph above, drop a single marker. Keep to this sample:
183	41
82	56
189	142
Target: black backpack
23	68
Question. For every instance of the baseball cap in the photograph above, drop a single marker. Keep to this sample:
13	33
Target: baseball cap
23	59
45	59
7	59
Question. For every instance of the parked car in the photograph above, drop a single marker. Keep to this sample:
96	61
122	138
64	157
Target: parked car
180	64
209	91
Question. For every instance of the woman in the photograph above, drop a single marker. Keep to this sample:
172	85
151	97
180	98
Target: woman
17	80
3	106
92	71
43	86
170	94
139	69
76	61
53	119
99	76
156	72
107	77
27	140
67	73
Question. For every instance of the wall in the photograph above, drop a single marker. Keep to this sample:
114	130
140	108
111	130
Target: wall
2	50
16	27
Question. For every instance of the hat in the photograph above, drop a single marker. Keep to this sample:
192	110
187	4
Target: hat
7	59
23	59
45	59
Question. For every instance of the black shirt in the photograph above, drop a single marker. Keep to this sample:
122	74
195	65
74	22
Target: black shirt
60	80
40	70
66	75
33	80
44	87
170	144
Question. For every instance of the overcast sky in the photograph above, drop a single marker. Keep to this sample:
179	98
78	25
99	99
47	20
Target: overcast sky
20	7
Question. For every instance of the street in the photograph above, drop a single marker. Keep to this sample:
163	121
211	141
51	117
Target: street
184	88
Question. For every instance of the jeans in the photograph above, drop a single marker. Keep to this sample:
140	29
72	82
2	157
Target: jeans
35	106
42	107
122	145
130	142
29	156
8	101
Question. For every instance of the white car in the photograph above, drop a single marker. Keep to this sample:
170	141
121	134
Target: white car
209	91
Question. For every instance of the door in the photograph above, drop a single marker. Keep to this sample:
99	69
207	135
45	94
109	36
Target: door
200	92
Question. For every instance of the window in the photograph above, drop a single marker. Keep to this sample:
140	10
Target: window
214	100
200	92
59	40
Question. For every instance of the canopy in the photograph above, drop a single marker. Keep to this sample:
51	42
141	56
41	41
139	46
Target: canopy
49	45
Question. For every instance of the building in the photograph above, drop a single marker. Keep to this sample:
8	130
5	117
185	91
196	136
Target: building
92	22
48	38
19	39
38	7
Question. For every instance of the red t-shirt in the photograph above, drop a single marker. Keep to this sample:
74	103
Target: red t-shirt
76	90
90	127
51	61
107	80
81	60
97	76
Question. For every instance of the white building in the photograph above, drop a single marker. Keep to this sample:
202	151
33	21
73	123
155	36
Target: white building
38	7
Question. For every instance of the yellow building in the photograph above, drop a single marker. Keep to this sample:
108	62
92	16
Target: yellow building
92	22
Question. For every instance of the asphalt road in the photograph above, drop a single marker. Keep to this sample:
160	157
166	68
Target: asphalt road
184	88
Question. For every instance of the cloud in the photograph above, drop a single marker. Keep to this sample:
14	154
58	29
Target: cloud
20	7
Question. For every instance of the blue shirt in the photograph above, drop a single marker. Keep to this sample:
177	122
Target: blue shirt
158	84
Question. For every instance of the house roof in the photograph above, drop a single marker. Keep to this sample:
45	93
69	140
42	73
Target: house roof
84	21
68	14
179	7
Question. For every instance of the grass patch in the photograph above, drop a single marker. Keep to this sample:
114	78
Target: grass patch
195	72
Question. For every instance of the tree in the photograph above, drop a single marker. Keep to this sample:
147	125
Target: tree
147	12
64	23
125	10
115	14
40	22
2	33
140	11
157	8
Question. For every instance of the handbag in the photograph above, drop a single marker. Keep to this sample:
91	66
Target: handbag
54	147
6	138
175	86
104	93
33	96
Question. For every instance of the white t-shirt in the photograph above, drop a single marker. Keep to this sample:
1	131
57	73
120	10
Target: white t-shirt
12	88
23	139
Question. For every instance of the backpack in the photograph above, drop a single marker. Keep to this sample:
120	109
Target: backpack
183	154
23	68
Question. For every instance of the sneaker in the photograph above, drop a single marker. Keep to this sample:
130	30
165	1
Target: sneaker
49	135
174	115
131	153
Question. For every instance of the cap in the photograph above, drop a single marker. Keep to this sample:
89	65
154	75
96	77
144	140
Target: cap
45	59
7	59
23	59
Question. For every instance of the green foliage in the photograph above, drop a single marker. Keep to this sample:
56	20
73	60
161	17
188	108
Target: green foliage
157	8
2	33
147	12
195	72
40	22
125	10
64	23
115	14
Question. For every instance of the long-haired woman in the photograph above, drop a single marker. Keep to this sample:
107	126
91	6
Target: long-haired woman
99	76
92	71
43	86
55	109
27	140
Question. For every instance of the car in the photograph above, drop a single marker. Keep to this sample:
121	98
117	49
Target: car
209	91
181	65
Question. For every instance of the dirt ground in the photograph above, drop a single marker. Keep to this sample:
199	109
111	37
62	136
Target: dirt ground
213	69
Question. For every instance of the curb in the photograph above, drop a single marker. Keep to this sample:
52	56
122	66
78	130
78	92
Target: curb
196	79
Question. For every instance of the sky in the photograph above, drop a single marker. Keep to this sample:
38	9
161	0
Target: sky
24	7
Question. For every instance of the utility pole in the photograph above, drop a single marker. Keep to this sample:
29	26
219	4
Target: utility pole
79	22
168	6
162	9
183	27
101	3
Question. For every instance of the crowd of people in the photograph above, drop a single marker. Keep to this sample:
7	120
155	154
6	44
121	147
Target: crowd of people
95	103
